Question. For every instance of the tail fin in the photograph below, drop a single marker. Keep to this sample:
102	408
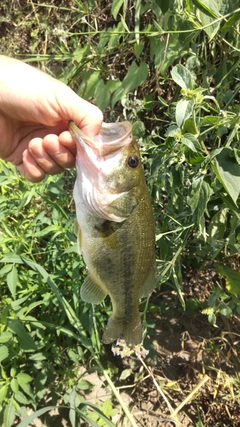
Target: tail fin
130	331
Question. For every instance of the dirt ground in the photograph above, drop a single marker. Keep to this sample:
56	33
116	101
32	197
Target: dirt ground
194	363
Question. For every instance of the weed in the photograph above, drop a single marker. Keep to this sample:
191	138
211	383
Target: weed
172	68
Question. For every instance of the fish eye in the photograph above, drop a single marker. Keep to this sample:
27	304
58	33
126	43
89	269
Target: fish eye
133	161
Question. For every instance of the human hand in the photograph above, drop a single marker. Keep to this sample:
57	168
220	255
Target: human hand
34	112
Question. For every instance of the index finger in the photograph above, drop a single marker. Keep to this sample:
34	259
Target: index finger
87	116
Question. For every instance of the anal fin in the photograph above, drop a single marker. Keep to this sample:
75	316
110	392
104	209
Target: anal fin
91	292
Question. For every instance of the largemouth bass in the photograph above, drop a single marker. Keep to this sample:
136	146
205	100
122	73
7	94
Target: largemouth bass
115	226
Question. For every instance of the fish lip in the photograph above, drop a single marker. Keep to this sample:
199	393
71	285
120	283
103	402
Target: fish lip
112	136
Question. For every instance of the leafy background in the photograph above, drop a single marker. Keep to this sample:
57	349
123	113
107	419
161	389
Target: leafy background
172	69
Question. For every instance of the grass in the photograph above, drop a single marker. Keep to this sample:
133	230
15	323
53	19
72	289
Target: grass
129	61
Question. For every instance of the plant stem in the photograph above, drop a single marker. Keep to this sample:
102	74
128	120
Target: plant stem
118	397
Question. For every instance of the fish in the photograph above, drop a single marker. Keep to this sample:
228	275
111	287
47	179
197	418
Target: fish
114	226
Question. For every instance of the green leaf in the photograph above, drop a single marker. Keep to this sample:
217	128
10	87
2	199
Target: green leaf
72	412
116	4
224	309
125	374
12	279
199	197
23	378
89	80
13	258
209	120
124	24
27	389
208	11
194	158
90	421
134	78
212	319
182	76
232	279
14	385
37	357
102	95
96	409
93	416
114	35
47	230
3	392
234	19
107	407
13	371
165	52
138	48
218	224
24	338
210	7
5	336
17	303
193	198
3	352
190	127
204	196
35	32
84	385
21	398
237	155
5	270
138	129
80	52
172	131
190	141
193	304
184	110
28	420
9	414
227	171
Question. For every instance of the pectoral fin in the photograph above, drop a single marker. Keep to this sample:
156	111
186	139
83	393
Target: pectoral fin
123	206
91	292
150	282
78	232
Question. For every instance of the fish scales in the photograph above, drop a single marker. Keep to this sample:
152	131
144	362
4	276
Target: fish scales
115	227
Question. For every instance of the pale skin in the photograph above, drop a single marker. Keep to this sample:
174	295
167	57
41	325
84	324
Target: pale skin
34	112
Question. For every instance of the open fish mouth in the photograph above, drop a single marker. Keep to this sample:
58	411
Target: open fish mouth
112	137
